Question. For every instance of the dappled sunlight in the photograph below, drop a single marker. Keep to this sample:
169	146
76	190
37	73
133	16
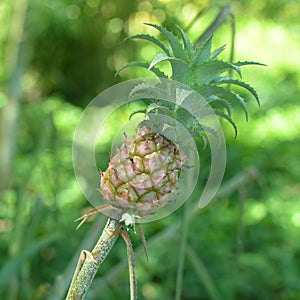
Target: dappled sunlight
296	219
274	44
275	125
254	212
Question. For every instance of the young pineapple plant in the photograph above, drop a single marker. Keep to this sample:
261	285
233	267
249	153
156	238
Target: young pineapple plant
144	172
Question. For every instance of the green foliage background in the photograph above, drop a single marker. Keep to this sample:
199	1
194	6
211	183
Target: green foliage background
55	57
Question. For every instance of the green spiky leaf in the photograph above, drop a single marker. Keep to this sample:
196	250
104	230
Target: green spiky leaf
159	58
199	69
200	129
226	117
176	46
228	80
151	39
225	103
188	47
156	71
248	63
225	94
207	72
163	57
139	111
181	95
202	137
152	108
203	53
180	70
216	52
147	91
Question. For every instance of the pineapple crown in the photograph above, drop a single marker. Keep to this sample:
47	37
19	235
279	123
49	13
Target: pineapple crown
199	68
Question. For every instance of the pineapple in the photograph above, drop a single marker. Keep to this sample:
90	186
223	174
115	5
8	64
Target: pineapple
145	170
142	173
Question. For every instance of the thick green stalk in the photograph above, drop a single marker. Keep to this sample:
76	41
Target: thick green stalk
89	262
62	281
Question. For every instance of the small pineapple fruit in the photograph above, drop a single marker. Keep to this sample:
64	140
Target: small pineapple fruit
146	168
142	173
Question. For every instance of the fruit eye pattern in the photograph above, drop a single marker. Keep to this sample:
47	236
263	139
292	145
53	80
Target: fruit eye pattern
142	173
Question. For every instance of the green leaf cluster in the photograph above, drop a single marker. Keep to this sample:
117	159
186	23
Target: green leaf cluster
199	68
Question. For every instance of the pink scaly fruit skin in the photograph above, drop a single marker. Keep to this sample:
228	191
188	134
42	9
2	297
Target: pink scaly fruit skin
142	174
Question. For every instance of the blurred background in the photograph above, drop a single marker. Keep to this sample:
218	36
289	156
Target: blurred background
55	57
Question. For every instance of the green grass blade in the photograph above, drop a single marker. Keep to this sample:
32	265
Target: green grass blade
181	256
203	274
12	266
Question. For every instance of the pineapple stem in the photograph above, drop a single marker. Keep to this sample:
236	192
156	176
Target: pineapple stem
89	262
